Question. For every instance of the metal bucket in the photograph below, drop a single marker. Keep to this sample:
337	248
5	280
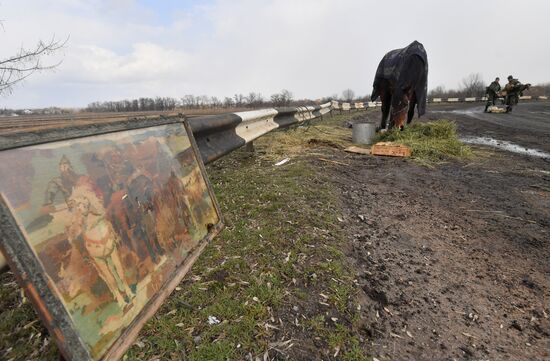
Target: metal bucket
363	133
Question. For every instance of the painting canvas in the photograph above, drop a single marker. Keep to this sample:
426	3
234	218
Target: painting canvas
110	220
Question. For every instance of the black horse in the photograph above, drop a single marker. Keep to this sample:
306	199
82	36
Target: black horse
401	82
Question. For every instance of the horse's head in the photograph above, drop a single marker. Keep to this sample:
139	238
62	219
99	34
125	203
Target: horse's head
399	116
400	108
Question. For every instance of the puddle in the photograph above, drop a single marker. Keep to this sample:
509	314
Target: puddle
540	171
467	111
504	145
470	111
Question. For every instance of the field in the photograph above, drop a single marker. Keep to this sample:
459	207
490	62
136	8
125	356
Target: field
9	124
341	256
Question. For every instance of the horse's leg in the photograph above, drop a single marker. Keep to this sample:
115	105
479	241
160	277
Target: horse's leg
104	272
412	105
392	118
386	104
395	104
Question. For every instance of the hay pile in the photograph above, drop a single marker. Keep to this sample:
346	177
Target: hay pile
431	142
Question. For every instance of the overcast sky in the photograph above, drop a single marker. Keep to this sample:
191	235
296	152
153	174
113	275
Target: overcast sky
131	48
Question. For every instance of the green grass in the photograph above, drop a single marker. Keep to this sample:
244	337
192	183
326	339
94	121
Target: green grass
431	142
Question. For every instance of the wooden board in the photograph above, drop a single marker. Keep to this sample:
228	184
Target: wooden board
357	150
391	149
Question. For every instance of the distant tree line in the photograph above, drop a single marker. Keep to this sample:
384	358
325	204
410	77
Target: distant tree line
190	102
252	100
539	89
134	105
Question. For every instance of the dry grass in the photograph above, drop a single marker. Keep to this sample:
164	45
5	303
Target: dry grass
300	141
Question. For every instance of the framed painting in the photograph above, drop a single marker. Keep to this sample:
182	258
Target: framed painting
100	223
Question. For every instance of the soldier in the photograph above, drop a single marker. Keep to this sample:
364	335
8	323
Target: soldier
492	93
514	89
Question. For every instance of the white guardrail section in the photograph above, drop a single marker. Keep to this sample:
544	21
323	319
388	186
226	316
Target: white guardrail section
260	122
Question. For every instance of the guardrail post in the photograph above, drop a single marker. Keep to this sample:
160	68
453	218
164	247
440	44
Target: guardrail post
249	148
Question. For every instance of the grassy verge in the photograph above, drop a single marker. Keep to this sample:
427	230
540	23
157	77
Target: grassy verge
430	142
276	278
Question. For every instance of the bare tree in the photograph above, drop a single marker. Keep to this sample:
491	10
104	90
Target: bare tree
215	102
25	62
189	101
254	100
228	102
276	100
282	99
348	95
239	100
204	101
287	97
437	92
540	89
473	85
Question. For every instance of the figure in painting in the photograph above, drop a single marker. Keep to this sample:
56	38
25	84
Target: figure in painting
130	206
173	214
58	190
90	228
62	185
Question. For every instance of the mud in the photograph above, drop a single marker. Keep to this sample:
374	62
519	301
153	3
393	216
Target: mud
453	261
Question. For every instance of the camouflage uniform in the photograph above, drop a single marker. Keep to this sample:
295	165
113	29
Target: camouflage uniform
513	91
492	94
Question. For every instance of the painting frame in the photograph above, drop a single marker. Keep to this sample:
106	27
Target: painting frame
31	274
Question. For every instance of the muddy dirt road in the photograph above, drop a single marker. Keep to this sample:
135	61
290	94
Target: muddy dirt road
454	261
528	125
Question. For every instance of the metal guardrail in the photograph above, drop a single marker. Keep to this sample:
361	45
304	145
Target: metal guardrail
218	135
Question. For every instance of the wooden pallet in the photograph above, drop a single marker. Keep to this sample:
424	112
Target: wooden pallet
391	149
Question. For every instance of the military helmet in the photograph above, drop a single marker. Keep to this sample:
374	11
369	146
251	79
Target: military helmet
510	77
65	160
